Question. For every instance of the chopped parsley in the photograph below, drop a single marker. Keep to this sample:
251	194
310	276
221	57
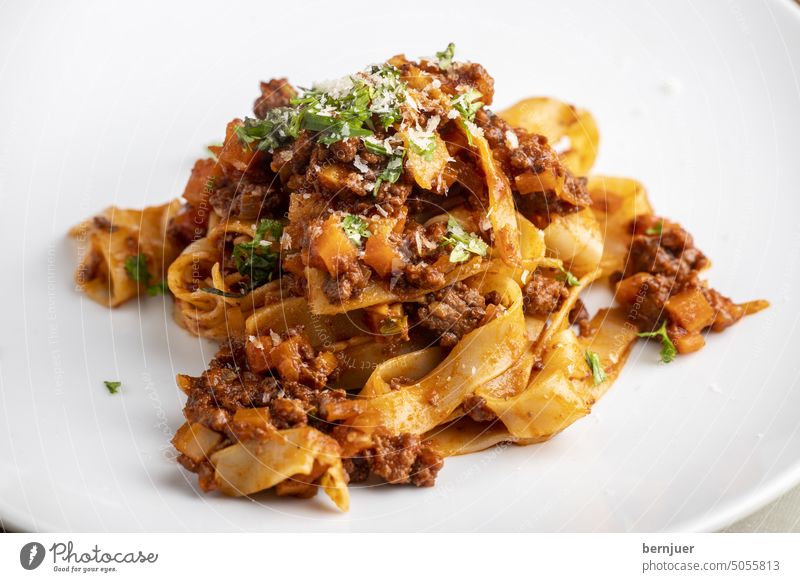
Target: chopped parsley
112	387
426	150
160	288
445	57
333	129
668	351
467	104
355	228
567	276
464	243
423	141
136	267
334	110
392	172
593	361
375	146
387	93
256	258
280	126
658	229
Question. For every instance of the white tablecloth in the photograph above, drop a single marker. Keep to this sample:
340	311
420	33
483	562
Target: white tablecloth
782	516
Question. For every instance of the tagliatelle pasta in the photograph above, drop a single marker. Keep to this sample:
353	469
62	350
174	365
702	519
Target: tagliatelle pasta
119	236
394	274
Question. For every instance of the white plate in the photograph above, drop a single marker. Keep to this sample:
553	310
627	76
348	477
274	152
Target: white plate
103	104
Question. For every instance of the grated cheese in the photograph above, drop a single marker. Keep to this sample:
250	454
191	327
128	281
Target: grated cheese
422	137
429	244
411	102
360	164
336	88
512	140
256	342
474	129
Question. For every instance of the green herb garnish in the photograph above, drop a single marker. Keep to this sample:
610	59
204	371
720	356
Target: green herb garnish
425	148
335	111
257	259
377	147
112	387
280	126
593	361
355	228
387	92
658	229
333	129
568	277
136	267
467	103
464	243
160	288
668	350
392	172
445	57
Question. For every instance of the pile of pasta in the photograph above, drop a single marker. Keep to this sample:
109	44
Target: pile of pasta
533	374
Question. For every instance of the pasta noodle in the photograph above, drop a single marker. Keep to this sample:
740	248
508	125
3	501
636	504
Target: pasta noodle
394	275
111	239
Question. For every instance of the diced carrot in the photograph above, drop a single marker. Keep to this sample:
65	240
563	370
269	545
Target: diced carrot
690	310
257	352
232	154
287	359
255	417
379	253
689	343
333	177
628	289
331	249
